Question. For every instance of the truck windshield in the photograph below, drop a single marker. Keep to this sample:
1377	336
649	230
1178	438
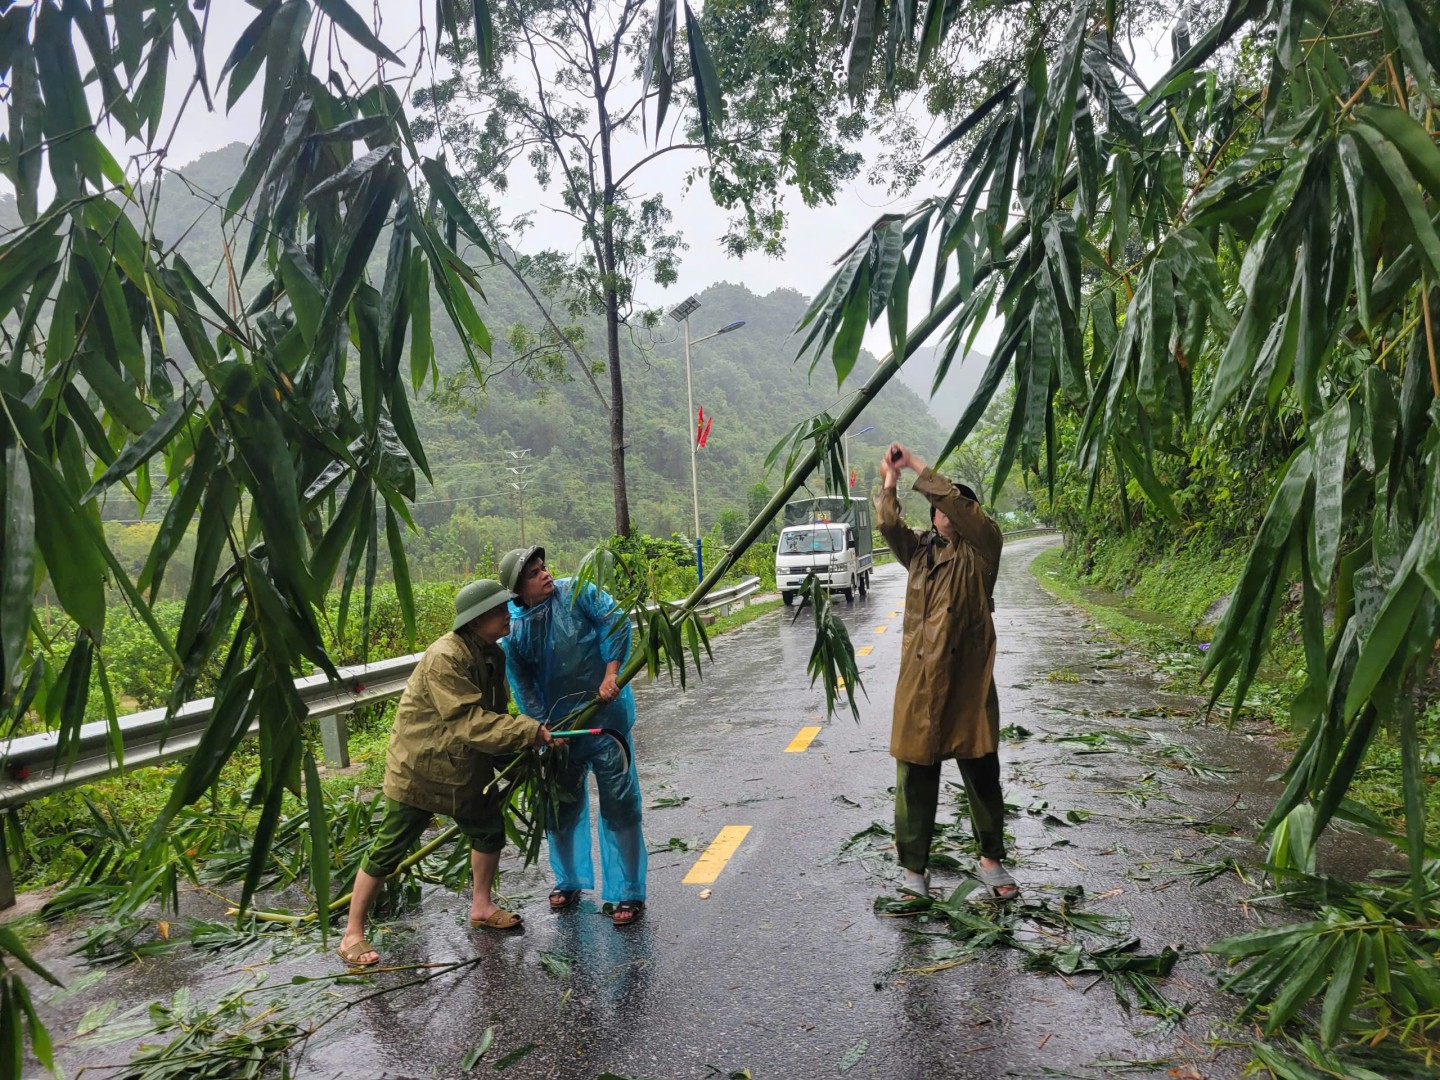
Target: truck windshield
806	541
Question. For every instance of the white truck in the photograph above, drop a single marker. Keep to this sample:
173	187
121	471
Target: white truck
829	538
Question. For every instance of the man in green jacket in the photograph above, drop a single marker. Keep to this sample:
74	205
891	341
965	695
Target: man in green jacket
452	719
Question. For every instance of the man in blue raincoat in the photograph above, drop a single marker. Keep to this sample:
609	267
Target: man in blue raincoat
566	644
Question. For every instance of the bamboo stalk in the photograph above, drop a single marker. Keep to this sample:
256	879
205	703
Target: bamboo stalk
1430	340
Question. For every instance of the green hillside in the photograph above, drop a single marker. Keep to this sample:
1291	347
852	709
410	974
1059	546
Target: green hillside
748	381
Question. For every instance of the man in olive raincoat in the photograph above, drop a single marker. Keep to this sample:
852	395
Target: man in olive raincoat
452	719
945	702
567	642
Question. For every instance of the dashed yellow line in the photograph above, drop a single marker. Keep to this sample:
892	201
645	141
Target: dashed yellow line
707	868
882	629
893	614
802	740
864	650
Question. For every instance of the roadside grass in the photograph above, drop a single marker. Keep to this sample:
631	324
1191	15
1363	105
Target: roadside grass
1171	636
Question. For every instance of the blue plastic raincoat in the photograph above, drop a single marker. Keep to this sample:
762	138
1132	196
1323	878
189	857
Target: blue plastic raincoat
555	658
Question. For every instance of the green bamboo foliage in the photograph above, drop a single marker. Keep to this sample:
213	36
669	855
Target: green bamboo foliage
126	370
1216	254
1227	250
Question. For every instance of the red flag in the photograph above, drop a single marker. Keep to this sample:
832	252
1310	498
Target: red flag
854	475
700	426
705	435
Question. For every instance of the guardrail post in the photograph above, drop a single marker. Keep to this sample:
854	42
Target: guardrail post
7	883
335	738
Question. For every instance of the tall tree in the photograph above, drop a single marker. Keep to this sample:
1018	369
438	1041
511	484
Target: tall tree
570	95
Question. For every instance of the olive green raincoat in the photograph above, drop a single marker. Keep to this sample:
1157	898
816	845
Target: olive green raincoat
450	722
945	702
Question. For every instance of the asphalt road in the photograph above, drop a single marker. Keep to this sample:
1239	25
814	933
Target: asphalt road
780	966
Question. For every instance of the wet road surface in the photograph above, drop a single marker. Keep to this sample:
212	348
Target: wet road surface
780	966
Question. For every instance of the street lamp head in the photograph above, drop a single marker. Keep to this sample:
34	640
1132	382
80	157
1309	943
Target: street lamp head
863	430
685	309
730	326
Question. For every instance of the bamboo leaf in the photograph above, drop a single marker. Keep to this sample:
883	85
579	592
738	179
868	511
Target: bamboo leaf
76	569
1391	628
1410	139
349	20
17	578
304	290
1387	169
898	310
484	35
319	826
155	438
400	568
442	186
262	445
1303	984
1330	446
984	109
846	349
862	46
885	262
11	945
931	34
249	38
1401	28
708	97
1345	986
660	61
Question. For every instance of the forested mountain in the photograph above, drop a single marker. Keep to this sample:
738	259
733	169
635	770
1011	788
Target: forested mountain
748	381
955	392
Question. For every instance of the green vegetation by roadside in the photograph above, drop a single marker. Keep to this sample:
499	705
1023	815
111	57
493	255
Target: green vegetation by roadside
1165	606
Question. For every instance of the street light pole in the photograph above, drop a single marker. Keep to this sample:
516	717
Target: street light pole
694	445
682	314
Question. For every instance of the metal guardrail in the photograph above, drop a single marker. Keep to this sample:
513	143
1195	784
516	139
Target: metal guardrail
33	768
1038	530
722	600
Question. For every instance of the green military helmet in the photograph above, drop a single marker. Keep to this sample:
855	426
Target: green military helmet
513	561
478	597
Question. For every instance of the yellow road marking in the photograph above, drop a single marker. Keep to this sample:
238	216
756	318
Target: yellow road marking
864	650
707	868
882	629
893	614
802	740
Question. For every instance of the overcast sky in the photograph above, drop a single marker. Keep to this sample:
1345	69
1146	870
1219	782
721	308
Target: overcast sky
816	237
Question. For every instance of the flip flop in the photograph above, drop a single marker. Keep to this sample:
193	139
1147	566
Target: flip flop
499	919
997	879
915	884
560	899
351	953
628	912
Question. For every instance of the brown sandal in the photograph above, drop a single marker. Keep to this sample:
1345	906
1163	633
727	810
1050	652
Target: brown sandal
351	953
499	919
560	899
627	912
